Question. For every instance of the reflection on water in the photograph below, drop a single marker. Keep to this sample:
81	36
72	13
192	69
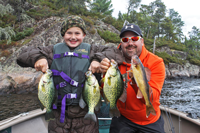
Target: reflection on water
183	95
180	94
15	104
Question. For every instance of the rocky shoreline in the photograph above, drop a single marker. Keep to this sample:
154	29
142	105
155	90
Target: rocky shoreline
25	80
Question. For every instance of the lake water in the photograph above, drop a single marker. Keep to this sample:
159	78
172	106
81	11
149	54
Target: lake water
15	104
180	94
183	95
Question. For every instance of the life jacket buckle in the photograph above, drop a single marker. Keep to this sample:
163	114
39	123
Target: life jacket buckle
74	83
71	95
62	84
70	53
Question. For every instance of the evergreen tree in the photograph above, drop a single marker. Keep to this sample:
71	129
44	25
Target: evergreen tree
6	32
159	16
102	7
72	4
168	29
177	22
133	4
194	42
120	16
5	9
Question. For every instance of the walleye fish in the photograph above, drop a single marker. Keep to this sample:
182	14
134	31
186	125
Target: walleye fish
113	88
46	93
91	95
138	72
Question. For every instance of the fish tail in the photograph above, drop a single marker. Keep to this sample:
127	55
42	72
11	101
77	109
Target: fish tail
114	112
91	116
49	115
150	109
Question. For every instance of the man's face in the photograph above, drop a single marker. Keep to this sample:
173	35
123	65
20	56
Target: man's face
131	48
74	37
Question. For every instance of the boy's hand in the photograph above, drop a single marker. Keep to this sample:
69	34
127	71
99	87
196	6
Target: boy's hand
41	65
94	67
105	64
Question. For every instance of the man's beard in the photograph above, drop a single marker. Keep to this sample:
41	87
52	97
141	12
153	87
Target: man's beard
134	52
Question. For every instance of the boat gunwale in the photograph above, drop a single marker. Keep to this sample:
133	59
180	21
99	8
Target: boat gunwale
38	112
30	114
181	114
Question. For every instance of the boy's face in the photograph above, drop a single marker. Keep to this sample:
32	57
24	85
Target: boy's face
73	37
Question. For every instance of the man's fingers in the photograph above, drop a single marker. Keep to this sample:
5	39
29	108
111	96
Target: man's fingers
89	68
105	64
94	67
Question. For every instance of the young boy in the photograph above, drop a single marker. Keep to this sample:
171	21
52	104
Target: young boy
71	59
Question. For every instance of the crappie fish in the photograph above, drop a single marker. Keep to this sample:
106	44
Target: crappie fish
46	93
138	72
113	88
91	95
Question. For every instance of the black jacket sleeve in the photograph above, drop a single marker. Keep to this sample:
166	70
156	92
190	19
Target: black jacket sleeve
95	49
110	53
30	55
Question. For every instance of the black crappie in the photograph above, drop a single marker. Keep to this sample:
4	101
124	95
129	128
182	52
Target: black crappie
46	93
91	95
113	88
139	74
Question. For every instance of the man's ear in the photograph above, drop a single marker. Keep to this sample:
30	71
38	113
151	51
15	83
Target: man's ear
142	40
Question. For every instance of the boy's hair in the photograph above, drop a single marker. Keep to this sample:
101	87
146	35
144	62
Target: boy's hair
72	21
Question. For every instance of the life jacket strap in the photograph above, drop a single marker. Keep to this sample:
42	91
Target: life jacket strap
67	79
67	96
55	105
56	56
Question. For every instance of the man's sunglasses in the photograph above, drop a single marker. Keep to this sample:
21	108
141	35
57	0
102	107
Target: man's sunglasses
133	38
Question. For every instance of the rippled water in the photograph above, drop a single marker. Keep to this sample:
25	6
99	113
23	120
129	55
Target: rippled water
183	95
180	94
15	104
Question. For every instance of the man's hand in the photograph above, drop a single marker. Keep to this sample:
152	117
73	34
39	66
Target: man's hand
105	64
94	67
41	65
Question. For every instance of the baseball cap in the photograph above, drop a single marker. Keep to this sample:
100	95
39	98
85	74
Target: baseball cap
72	21
131	27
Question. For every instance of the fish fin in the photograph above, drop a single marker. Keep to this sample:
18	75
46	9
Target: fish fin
91	116
123	96
148	73
102	80
82	103
105	98
109	81
98	106
94	89
49	115
151	94
55	99
41	105
43	88
139	94
100	88
114	112
130	73
150	109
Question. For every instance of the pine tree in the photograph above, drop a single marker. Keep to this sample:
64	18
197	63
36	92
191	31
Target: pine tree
77	4
7	32
102	7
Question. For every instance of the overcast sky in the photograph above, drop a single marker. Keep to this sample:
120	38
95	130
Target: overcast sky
188	9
